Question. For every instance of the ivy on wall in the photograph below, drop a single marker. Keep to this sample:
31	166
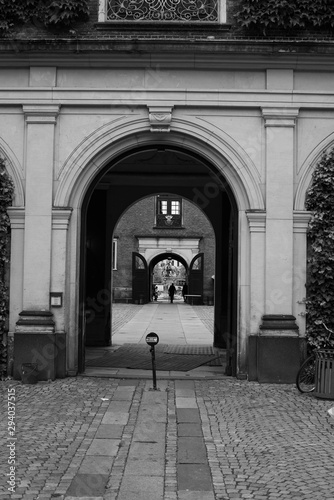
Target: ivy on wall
50	13
6	194
264	16
320	282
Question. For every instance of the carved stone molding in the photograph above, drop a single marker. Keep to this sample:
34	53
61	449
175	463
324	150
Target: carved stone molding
61	218
278	325
160	118
280	117
301	221
16	217
256	221
41	113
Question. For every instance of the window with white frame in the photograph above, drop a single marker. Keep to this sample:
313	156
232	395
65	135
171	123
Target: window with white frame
189	11
168	211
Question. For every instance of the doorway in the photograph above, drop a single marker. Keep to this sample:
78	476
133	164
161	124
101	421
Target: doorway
167	269
141	174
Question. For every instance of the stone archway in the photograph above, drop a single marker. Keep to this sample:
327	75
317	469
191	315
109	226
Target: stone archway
138	176
78	178
301	219
183	249
176	278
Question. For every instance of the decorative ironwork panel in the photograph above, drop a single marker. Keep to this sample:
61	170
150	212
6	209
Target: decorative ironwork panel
163	10
168	220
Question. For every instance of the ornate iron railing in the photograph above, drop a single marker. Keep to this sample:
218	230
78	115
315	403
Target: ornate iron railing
163	10
168	221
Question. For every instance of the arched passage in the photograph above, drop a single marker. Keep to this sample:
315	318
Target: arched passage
141	173
164	269
148	228
169	263
167	255
87	164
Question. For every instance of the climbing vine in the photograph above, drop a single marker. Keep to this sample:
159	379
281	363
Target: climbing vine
50	13
320	282
6	194
288	16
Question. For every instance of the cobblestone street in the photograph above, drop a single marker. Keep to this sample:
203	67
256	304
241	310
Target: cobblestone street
122	313
85	438
205	314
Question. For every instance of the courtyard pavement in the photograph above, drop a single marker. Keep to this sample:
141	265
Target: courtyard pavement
177	324
108	438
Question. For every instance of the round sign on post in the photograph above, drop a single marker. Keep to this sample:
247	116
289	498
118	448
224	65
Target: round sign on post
152	339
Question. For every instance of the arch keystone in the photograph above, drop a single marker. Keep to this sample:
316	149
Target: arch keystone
160	118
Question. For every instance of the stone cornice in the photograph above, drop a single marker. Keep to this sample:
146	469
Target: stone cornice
102	97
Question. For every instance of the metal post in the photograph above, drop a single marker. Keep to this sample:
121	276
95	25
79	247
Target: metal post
152	339
154	368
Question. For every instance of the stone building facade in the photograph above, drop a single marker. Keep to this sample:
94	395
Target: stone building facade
238	124
141	230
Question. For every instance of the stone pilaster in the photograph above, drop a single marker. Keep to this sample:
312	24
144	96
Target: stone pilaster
280	165
60	223
257	228
17	223
34	339
17	218
300	224
276	349
40	132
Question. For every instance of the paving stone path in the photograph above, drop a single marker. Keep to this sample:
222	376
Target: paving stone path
114	439
123	313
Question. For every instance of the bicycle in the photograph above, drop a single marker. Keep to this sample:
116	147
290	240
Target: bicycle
305	380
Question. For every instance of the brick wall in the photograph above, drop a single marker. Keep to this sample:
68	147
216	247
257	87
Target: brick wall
139	31
139	221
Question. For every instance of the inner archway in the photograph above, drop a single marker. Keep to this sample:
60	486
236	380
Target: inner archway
149	172
169	269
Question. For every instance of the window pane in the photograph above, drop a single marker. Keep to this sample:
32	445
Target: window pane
175	208
197	265
163	207
139	263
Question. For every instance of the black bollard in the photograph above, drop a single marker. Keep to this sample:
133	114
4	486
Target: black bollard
154	368
152	340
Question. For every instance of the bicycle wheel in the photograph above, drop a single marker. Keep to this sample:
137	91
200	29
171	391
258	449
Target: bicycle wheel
305	380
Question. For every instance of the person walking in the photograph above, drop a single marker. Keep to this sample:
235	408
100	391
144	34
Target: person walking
171	291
